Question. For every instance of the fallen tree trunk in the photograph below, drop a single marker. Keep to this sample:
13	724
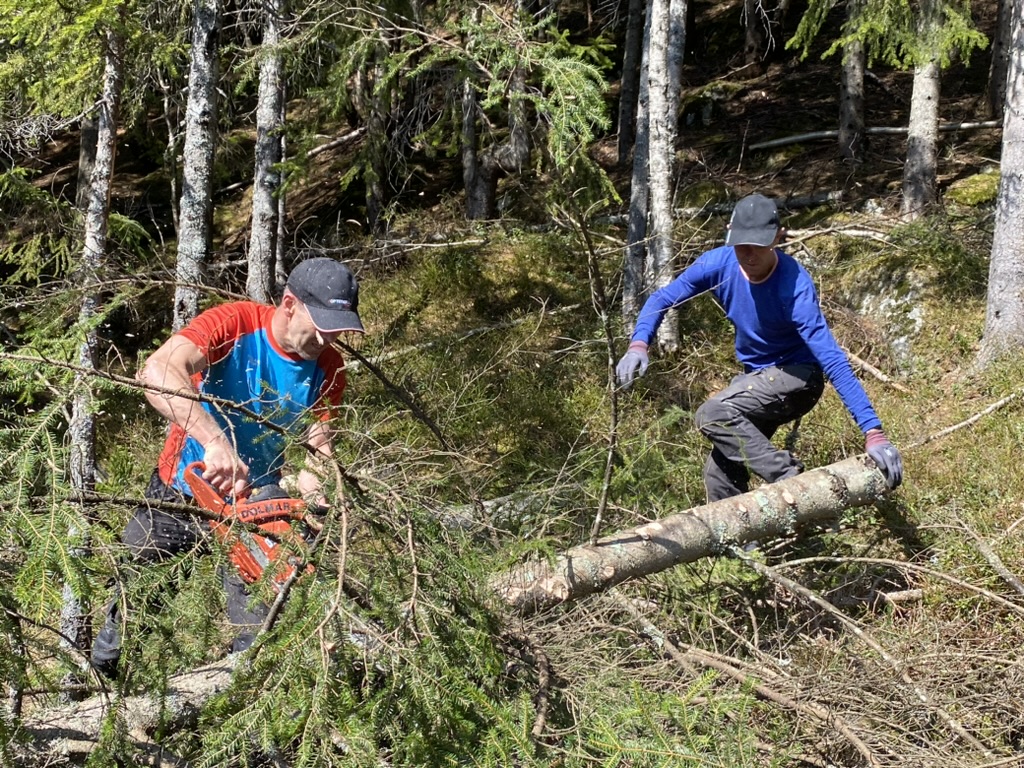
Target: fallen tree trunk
69	733
770	511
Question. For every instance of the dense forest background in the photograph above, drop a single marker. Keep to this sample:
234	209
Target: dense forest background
476	166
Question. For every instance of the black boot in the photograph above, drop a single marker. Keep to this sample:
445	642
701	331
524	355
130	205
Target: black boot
106	648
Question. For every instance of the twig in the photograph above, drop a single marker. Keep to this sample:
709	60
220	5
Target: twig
692	654
507	325
600	300
198	397
992	558
869	368
967	422
902	564
401	394
860	633
543	665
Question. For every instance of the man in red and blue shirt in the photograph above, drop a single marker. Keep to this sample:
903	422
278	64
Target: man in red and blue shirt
275	362
782	341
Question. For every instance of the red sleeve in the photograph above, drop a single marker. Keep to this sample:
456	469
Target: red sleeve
333	366
216	330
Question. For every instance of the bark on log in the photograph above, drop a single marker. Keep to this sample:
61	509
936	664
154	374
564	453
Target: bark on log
71	732
770	511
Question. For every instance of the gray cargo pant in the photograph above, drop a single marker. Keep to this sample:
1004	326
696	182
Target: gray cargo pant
741	419
152	535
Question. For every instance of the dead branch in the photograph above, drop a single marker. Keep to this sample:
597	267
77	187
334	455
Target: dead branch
869	368
967	422
337	142
770	511
694	655
902	565
992	558
876	131
861	634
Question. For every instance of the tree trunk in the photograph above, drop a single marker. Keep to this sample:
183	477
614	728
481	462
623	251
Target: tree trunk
169	99
667	42
82	429
197	171
1004	307
919	172
1000	66
634	290
753	36
259	283
706	531
770	511
376	145
851	92
482	169
474	179
72	732
630	81
86	160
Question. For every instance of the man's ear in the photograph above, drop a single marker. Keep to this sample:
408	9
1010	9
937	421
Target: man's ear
288	301
780	236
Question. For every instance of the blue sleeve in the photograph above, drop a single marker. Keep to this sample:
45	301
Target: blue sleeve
693	280
815	332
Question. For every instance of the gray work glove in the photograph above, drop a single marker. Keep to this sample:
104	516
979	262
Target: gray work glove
634	362
885	456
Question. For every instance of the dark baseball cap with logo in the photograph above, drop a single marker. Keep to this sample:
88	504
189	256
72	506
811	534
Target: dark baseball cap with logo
330	292
755	221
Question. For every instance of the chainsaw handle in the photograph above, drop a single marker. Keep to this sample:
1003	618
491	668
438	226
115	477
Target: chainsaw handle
205	494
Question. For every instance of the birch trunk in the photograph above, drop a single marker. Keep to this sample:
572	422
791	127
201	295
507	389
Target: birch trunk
82	429
197	169
259	283
919	172
1004	308
667	41
770	511
634	289
851	92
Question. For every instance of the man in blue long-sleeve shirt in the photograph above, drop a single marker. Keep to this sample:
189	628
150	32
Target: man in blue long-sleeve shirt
784	344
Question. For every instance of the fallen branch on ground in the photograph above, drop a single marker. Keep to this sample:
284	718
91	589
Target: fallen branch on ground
689	656
861	634
877	131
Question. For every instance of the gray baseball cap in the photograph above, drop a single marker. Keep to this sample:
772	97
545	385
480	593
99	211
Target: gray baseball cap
330	292
755	221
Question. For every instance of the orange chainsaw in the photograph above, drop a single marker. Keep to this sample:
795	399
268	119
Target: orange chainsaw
268	508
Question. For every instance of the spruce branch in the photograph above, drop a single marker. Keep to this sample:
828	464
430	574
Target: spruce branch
198	397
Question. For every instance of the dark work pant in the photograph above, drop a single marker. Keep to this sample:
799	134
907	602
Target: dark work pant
741	419
153	535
